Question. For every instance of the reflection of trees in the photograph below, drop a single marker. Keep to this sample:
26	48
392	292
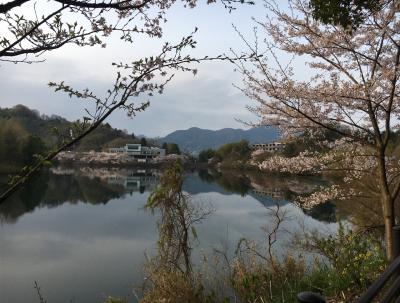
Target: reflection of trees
290	186
286	187
86	185
50	190
230	180
170	272
270	189
206	176
325	212
24	201
75	188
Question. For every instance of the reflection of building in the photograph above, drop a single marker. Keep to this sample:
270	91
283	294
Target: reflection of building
269	147
138	151
139	180
273	193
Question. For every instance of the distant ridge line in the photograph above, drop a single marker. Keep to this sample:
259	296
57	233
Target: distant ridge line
195	139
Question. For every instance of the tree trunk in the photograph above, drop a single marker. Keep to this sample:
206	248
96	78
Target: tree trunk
388	219
387	203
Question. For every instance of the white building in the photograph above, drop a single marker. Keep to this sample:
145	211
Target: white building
138	151
269	147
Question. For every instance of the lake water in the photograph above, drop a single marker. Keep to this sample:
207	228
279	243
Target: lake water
83	234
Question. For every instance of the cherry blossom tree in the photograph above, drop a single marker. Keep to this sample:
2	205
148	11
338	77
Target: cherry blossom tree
350	85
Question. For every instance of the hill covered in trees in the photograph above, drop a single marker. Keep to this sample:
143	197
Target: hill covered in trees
25	132
52	129
196	139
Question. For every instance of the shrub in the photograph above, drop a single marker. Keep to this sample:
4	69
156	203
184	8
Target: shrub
206	154
357	258
350	263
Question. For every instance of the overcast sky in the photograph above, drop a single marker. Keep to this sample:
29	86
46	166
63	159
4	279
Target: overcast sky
207	100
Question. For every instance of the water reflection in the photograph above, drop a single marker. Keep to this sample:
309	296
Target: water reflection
270	190
86	185
83	233
171	269
98	186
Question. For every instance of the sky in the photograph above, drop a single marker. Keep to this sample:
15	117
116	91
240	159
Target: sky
207	100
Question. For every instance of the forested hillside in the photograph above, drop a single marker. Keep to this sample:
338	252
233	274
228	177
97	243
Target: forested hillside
25	132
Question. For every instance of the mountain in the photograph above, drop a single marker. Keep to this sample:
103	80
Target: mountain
196	139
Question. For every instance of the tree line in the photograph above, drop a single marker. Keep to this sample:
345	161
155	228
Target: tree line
18	147
228	153
25	134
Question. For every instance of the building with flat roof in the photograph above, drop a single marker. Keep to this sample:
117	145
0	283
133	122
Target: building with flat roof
269	147
138	151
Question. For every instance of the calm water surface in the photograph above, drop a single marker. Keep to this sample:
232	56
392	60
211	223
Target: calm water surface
84	235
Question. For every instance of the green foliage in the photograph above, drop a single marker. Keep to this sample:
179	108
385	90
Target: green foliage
309	141
239	150
347	13
54	130
206	155
104	135
33	146
354	261
171	148
356	258
234	154
17	147
11	141
170	188
25	136
40	125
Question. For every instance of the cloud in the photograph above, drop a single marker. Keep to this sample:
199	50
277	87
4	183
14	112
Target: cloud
208	100
203	102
